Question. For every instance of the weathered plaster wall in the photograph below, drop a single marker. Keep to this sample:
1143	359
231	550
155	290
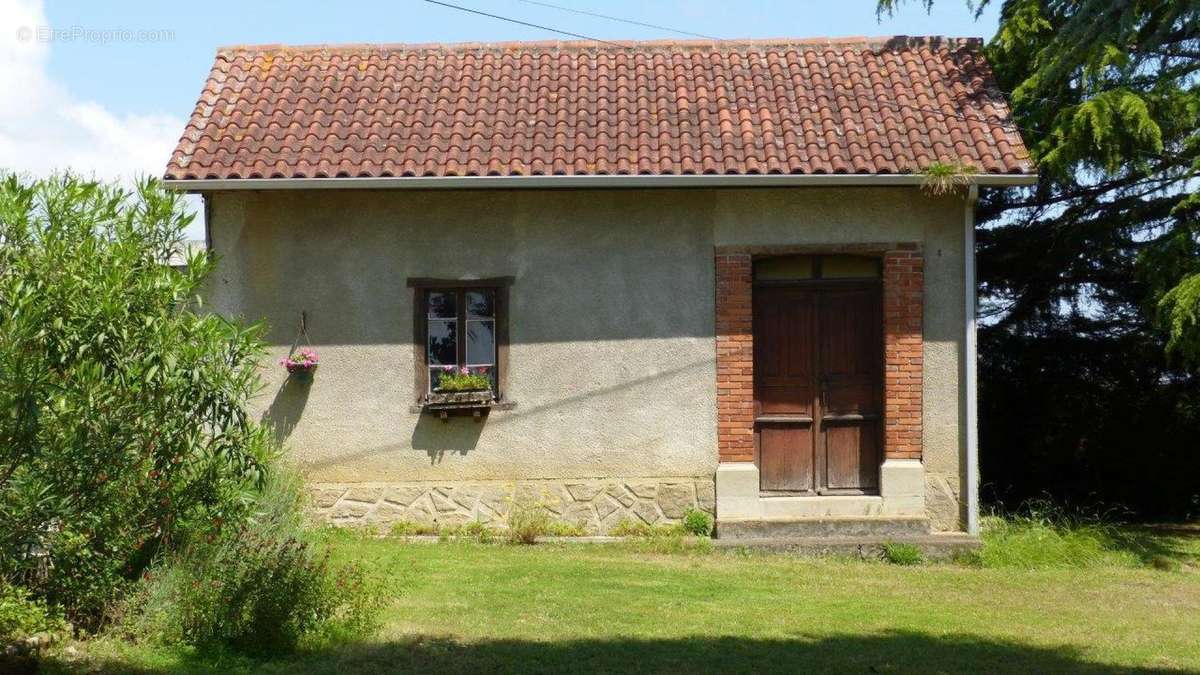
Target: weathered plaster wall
612	350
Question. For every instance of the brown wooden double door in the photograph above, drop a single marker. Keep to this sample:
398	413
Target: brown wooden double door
818	386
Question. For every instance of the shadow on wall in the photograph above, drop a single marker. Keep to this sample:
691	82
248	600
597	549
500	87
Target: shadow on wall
286	408
455	435
462	434
894	652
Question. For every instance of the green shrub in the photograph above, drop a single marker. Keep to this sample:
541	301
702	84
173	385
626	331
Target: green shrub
698	523
125	426
22	616
527	521
262	586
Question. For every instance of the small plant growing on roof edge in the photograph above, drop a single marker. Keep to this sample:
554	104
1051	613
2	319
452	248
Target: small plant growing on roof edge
944	177
301	364
454	379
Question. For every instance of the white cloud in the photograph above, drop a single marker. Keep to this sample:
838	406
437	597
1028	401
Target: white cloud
43	128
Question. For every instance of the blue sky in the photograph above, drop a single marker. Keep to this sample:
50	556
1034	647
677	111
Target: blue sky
104	89
166	76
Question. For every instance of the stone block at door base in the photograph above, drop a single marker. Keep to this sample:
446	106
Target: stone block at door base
901	494
737	490
901	478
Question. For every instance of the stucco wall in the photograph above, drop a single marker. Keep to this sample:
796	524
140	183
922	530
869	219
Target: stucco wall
611	323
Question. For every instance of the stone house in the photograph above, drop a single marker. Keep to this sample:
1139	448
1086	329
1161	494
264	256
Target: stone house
690	274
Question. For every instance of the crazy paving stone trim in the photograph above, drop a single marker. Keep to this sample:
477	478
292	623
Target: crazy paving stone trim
595	505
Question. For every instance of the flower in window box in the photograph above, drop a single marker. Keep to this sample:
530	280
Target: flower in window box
301	364
455	379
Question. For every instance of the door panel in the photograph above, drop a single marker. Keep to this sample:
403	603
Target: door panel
818	382
785	387
851	455
785	456
851	361
784	368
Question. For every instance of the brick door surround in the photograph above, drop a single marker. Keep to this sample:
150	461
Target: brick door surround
903	297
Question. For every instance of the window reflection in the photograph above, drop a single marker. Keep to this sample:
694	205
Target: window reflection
442	305
480	304
481	342
443	341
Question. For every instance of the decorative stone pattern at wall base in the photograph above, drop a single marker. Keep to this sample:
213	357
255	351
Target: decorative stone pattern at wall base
596	505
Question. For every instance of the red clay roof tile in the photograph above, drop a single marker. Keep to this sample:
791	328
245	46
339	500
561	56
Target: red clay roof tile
782	106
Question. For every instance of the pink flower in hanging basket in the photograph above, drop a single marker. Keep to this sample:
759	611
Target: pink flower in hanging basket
302	361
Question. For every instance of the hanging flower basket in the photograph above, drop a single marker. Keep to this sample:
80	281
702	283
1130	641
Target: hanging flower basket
301	365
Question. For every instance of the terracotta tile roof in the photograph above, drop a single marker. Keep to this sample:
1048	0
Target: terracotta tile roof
731	107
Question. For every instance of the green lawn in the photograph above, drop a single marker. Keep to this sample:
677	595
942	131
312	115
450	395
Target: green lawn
482	608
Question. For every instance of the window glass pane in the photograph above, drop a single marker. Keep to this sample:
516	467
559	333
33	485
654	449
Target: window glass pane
480	304
784	268
443	342
441	305
481	342
849	267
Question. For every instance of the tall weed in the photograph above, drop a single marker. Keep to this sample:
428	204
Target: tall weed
1042	534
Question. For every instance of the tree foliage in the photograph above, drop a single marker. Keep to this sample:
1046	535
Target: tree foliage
1090	280
123	423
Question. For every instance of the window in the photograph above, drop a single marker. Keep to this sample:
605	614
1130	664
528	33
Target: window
459	324
461	333
804	267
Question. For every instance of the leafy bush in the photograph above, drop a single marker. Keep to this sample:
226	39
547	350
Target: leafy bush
22	616
698	523
259	587
898	553
125	425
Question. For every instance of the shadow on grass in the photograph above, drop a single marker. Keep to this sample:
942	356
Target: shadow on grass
1162	546
896	652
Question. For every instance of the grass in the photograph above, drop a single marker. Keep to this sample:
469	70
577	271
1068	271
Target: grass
464	607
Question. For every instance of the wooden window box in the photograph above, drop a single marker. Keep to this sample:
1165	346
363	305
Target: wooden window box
444	404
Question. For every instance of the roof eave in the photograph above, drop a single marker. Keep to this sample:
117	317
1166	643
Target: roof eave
553	182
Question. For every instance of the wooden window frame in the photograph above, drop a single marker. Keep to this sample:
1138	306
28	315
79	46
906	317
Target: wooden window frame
818	277
421	286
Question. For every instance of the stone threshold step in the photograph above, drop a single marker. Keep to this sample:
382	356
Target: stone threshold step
878	527
933	546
